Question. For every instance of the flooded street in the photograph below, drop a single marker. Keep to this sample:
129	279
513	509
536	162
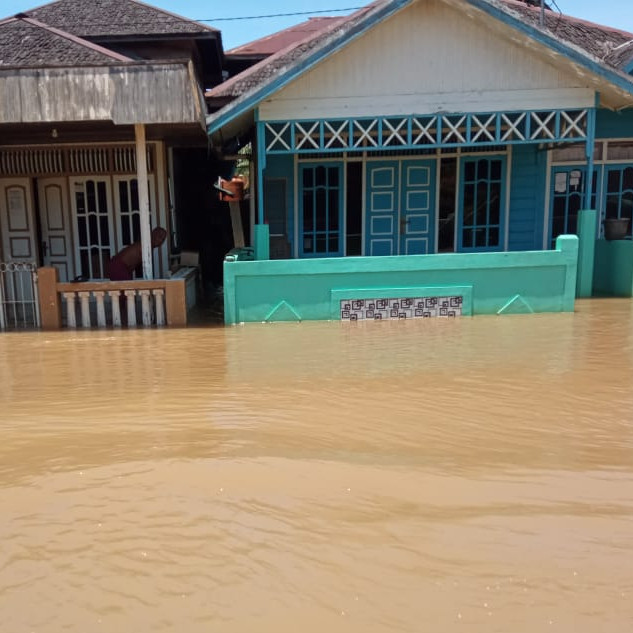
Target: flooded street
471	474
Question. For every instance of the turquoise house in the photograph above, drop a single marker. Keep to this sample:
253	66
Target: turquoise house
440	137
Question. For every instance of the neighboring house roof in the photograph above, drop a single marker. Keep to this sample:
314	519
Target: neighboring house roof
115	18
589	44
268	68
275	42
28	43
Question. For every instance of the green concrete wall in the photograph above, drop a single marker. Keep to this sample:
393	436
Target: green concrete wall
613	268
491	283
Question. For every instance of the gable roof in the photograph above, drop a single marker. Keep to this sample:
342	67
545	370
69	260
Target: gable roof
270	67
589	45
28	43
115	18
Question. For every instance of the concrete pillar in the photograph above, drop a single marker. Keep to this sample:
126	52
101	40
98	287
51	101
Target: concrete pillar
587	235
262	241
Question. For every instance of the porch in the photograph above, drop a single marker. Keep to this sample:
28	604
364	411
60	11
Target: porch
34	298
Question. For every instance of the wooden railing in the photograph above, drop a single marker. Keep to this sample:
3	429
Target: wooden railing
154	303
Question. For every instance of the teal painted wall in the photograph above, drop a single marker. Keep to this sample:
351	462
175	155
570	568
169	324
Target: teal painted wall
495	283
527	197
614	124
613	270
282	166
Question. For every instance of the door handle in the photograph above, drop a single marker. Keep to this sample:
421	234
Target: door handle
403	225
44	249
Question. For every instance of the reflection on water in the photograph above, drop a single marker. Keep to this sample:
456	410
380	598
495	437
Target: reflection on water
463	475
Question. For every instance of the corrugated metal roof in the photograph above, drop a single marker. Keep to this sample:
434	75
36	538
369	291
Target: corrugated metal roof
285	57
275	42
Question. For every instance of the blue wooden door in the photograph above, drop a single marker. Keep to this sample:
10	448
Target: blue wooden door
417	203
400	207
482	204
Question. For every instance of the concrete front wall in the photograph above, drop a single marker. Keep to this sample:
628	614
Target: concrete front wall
490	283
431	57
613	270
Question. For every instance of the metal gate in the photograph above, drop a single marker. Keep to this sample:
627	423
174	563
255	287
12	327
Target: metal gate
19	305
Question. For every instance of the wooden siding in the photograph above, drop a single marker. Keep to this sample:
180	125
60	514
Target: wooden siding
428	58
527	187
614	124
125	95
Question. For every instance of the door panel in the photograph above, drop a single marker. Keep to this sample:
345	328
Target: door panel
418	202
16	221
482	209
383	185
57	250
400	207
94	234
17	230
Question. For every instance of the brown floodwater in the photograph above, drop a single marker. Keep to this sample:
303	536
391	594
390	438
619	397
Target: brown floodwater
472	474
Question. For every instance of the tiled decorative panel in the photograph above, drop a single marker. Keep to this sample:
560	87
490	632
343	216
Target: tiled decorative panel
404	308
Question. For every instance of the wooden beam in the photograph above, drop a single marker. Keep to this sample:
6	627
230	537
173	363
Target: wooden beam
236	223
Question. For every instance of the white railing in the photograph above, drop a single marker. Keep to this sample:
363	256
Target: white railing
129	307
116	304
19	305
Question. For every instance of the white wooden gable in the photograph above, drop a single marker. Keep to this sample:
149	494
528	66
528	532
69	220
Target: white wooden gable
432	57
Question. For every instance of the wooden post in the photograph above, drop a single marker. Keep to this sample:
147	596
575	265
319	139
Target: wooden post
143	200
176	303
236	223
50	303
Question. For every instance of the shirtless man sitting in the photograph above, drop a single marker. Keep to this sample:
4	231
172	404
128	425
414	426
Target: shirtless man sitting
126	261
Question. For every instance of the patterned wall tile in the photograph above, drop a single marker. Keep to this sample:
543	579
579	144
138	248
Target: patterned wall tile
403	308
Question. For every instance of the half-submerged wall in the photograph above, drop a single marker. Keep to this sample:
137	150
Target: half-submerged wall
613	272
477	283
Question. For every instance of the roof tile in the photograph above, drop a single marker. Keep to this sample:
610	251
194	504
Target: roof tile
25	44
103	18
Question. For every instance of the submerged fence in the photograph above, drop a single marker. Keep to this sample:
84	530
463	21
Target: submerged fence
411	286
19	307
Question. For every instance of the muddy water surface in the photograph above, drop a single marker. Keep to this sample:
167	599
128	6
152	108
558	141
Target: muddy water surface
466	475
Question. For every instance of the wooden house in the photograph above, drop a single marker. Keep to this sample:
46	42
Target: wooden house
102	114
437	126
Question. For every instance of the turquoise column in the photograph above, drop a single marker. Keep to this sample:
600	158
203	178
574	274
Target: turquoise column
587	235
591	143
261	243
261	232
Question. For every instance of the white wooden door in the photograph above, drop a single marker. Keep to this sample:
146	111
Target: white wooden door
17	230
16	221
55	226
93	219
